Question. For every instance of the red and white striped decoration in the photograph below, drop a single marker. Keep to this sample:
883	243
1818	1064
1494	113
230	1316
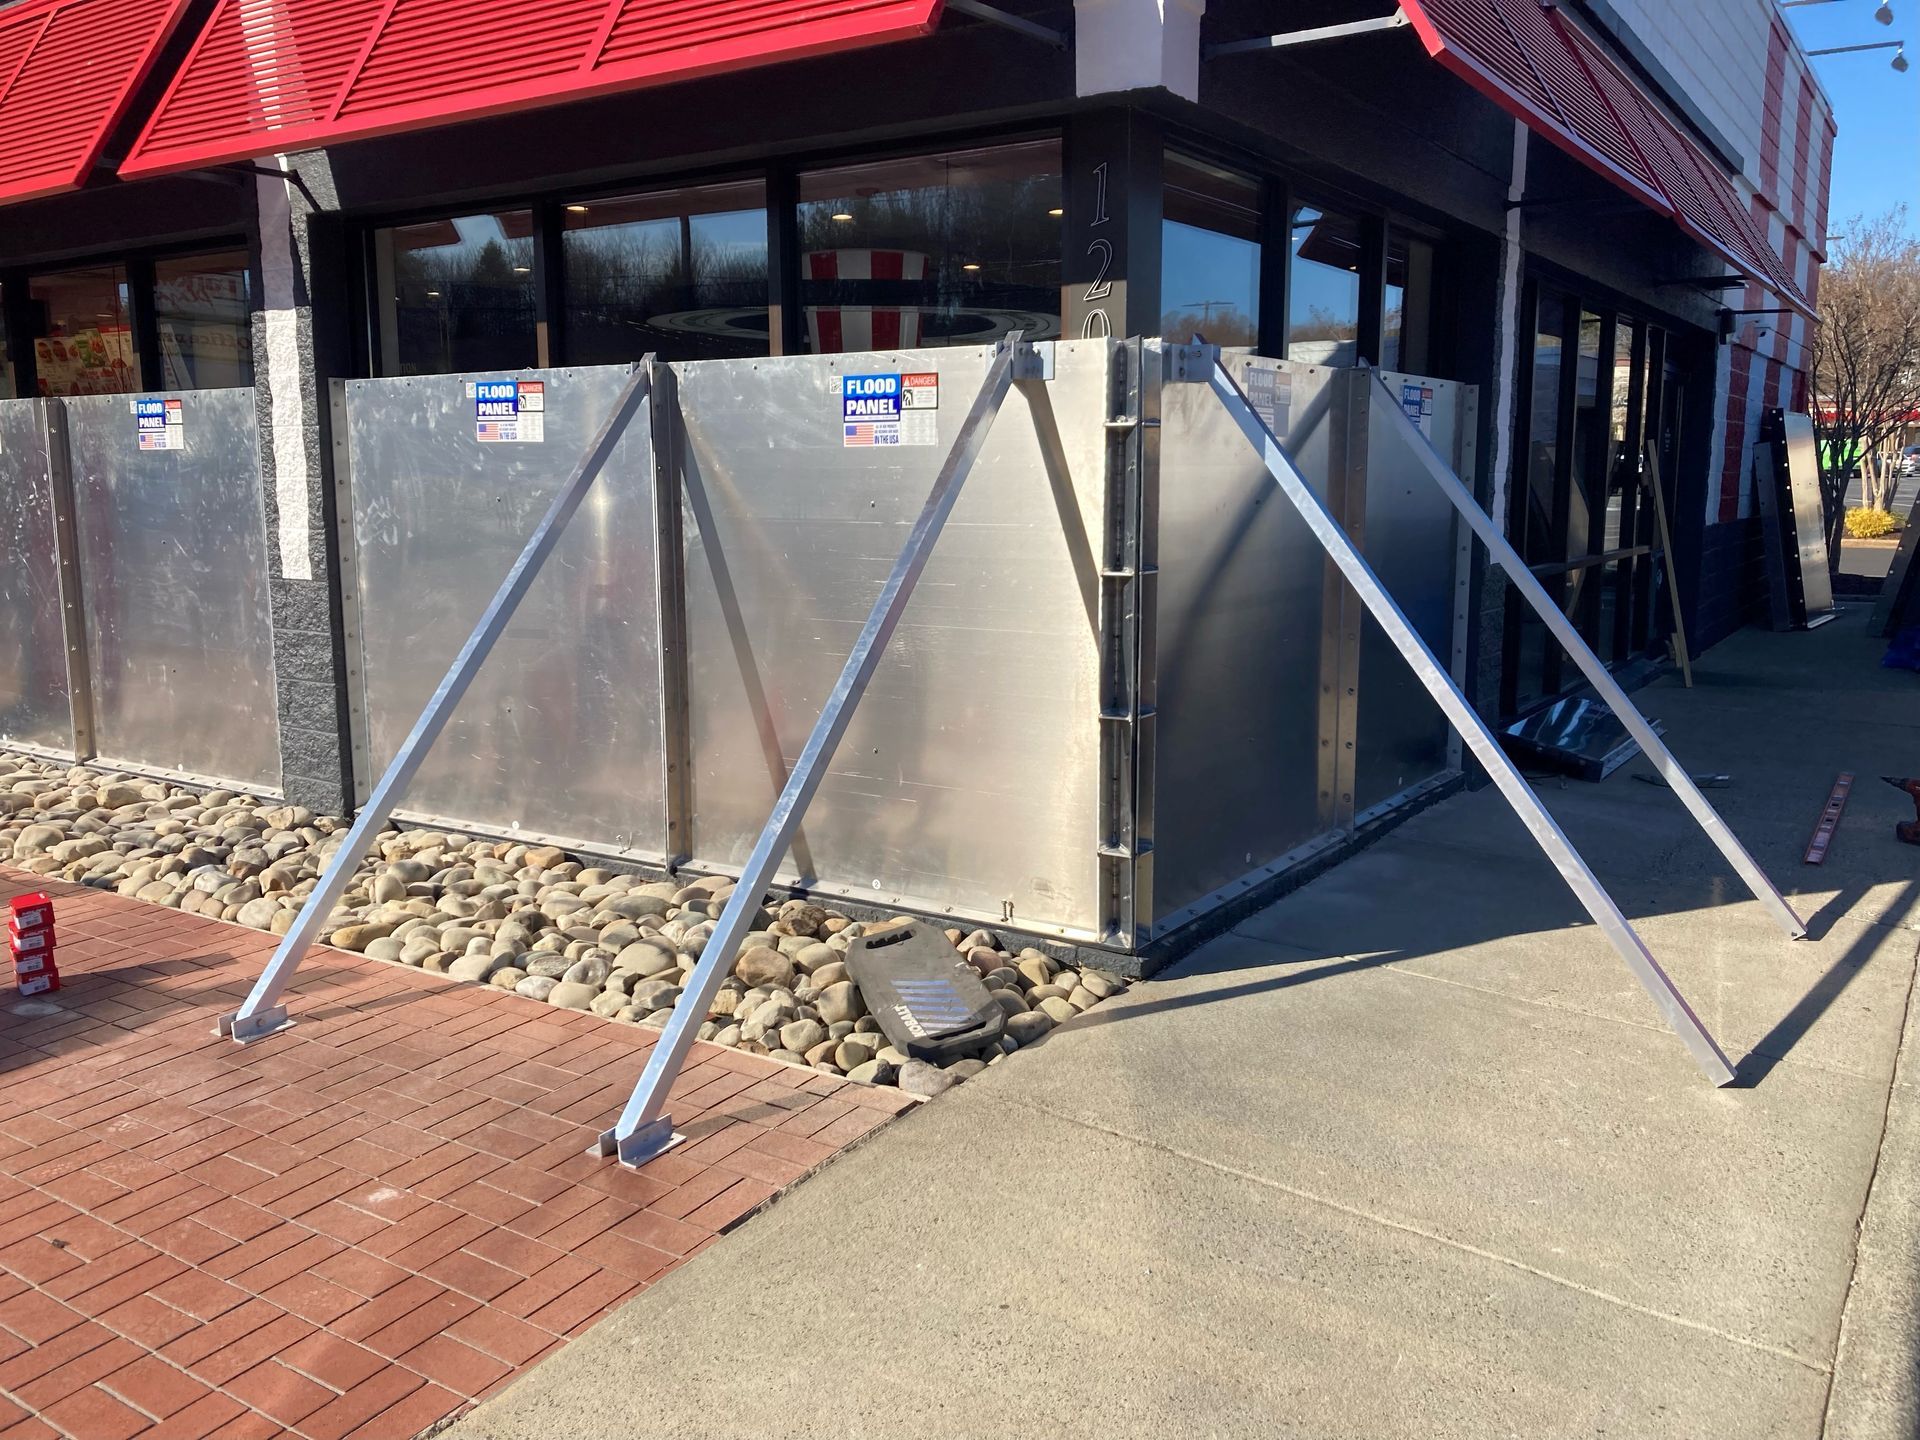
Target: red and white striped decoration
840	329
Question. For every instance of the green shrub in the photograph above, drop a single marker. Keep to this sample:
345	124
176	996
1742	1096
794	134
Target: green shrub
1865	524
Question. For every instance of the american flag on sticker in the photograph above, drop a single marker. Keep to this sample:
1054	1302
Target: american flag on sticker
844	329
868	433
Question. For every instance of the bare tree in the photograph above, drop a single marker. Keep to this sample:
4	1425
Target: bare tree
1866	359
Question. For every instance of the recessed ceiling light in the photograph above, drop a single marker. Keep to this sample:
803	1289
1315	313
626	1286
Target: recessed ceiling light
577	209
523	269
1056	211
842	216
433	294
970	265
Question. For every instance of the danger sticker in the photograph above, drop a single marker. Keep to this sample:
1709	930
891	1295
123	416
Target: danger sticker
159	423
509	412
878	410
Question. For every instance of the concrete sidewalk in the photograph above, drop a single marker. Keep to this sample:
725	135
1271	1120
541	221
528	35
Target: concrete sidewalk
1409	1153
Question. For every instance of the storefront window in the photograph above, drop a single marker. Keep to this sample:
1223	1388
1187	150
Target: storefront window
1588	522
456	295
1323	288
682	273
1625	468
1587	444
83	332
933	250
9	387
1532	653
1405	342
1209	255
202	316
1543	432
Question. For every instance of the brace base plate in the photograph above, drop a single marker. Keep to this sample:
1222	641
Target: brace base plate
649	1142
245	1029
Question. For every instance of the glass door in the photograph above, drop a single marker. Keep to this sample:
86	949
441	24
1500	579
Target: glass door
1583	515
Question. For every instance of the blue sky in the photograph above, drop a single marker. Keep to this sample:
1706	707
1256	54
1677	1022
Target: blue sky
1876	162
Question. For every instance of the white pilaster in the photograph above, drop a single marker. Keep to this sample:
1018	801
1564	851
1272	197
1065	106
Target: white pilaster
1137	45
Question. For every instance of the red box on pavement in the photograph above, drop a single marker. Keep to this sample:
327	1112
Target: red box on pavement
30	912
29	939
25	965
33	942
40	984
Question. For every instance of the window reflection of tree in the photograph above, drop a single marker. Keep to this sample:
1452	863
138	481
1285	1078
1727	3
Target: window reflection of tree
465	306
623	279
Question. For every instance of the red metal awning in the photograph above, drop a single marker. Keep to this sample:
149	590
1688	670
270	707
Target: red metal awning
1541	68
68	72
269	76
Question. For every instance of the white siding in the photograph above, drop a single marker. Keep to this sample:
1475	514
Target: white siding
1716	50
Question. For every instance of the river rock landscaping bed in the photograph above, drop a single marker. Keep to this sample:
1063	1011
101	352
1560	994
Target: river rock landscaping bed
526	918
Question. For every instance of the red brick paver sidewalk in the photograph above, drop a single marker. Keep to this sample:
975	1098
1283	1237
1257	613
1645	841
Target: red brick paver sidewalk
354	1227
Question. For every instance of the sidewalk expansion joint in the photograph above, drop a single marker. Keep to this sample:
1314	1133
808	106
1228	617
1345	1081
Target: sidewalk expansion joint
1406	1228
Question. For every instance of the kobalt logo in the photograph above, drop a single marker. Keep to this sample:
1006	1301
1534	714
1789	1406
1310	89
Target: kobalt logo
906	1018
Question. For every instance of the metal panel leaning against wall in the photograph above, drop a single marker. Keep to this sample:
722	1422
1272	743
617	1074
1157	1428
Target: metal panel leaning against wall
560	736
33	673
1412	539
968	782
1241	648
173	563
1286	717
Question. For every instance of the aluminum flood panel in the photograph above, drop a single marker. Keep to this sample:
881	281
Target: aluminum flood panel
560	735
968	782
1809	515
173	565
1409	539
1241	642
33	670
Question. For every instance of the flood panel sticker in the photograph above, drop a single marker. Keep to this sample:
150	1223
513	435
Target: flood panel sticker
889	410
159	423
509	412
1417	401
1270	392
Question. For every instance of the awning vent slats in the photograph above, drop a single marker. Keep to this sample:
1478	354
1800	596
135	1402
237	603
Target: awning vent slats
269	76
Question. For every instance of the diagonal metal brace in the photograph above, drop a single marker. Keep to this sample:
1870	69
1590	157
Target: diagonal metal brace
1434	676
644	1129
1522	579
262	1014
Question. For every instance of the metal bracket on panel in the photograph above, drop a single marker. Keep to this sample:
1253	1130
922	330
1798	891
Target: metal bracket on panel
1190	364
1033	361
